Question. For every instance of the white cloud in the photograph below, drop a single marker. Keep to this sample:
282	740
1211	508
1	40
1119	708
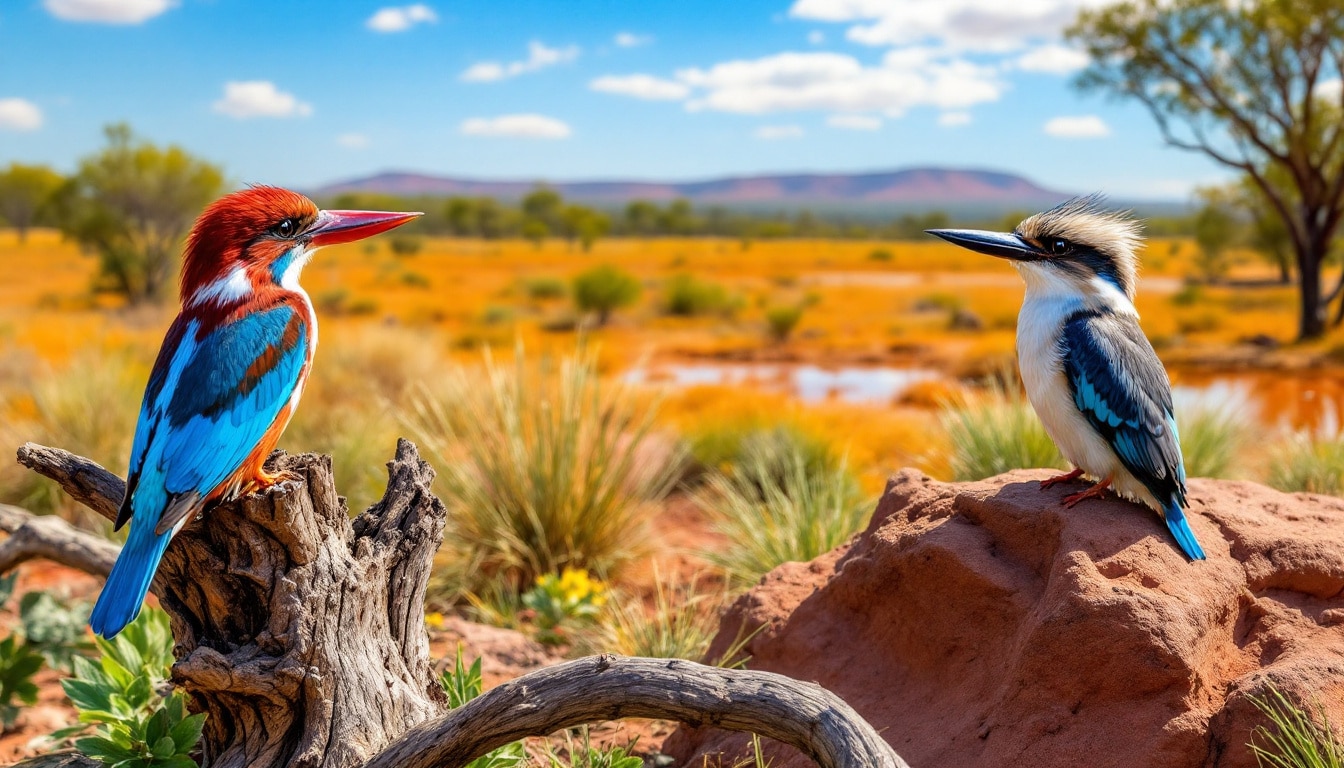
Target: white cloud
107	11
773	132
839	83
401	18
353	140
1079	127
538	57
1053	58
983	25
816	37
631	40
855	122
641	87
526	126
953	119
19	115
259	98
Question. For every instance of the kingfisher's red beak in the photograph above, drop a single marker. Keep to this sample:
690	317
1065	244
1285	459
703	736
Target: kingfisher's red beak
334	227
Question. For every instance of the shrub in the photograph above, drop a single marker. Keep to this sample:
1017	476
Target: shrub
414	280
879	254
405	245
603	290
462	684
543	288
775	510
994	432
1296	740
1212	440
681	625
726	448
54	627
546	467
782	320
135	726
685	296
1306	463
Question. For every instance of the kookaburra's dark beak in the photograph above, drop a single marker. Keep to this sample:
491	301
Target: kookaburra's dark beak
1005	245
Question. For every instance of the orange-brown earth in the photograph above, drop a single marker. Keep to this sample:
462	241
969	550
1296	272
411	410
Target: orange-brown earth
982	624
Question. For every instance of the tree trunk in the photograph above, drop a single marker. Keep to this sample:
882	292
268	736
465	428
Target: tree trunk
1311	319
300	632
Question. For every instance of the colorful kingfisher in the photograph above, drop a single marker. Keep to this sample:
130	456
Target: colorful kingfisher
1090	373
229	374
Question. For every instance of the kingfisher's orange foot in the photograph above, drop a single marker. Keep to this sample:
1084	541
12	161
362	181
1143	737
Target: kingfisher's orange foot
264	480
1064	478
1095	492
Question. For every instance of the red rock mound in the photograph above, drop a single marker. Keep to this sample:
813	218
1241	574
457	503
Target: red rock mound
982	624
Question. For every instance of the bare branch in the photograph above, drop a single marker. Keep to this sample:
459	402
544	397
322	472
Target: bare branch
49	537
84	479
598	688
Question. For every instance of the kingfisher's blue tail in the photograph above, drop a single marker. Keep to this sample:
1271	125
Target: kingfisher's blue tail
127	585
1180	528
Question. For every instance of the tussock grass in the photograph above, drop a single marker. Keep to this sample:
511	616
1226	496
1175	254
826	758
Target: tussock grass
1213	439
681	624
544	466
775	509
1308	463
1295	738
995	431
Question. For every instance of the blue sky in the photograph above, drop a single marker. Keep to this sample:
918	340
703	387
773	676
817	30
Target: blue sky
302	93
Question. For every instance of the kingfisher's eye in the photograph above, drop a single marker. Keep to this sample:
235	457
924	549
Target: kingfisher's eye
1058	246
286	228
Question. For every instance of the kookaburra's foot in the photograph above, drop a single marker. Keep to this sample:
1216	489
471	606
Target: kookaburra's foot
1064	478
1095	492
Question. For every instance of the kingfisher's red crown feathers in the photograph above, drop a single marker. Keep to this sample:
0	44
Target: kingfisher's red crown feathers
227	232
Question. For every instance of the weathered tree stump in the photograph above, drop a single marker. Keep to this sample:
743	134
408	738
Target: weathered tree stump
300	632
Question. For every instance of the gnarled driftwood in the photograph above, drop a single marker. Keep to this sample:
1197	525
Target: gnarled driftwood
300	633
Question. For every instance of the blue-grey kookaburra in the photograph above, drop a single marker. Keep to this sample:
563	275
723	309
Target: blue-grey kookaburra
1089	371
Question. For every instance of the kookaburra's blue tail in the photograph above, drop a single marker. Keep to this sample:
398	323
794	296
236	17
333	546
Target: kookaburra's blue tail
127	585
1180	528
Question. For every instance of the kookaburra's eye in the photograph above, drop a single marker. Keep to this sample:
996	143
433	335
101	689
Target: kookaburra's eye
1058	246
286	228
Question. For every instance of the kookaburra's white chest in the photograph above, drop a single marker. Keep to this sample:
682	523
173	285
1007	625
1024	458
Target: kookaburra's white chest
1049	302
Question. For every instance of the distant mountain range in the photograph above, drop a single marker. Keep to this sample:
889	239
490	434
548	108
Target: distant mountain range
908	188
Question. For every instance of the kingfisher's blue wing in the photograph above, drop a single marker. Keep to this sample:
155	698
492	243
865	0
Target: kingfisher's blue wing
1121	387
209	402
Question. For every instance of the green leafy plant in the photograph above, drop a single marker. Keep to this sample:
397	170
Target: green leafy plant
1294	739
603	290
583	754
462	684
780	321
54	627
19	663
559	602
135	725
775	509
543	288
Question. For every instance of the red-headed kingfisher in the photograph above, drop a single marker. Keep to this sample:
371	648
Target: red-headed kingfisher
228	376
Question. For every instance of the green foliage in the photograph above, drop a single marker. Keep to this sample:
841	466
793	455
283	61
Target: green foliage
680	626
777	509
603	290
1294	739
543	288
584	755
134	724
19	662
405	245
25	195
686	296
782	320
546	466
558	603
880	254
726	448
132	204
1307	463
1212	440
994	432
462	684
1215	230
54	628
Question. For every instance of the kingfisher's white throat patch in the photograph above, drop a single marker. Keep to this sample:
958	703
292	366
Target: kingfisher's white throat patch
225	290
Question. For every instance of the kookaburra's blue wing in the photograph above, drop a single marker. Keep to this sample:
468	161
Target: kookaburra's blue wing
1121	387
